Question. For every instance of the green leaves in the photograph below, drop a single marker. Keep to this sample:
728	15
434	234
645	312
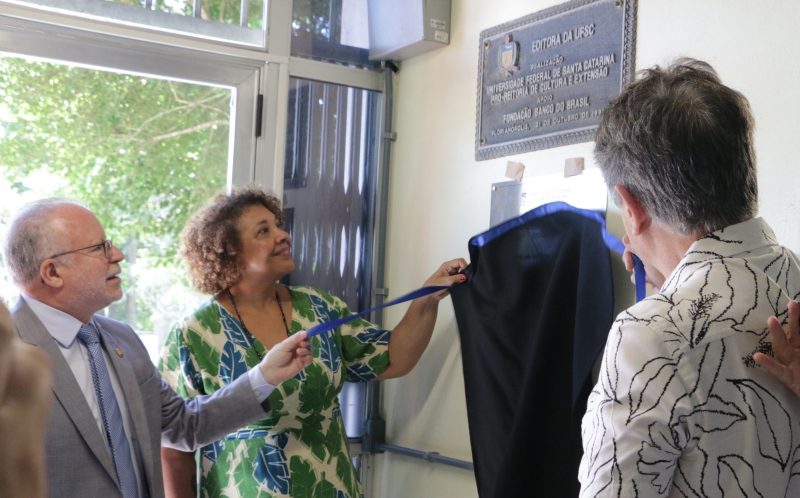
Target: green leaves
305	413
204	352
301	304
142	153
123	143
306	483
319	392
379	363
353	349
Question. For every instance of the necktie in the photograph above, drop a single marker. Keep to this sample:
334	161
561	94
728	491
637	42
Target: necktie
110	412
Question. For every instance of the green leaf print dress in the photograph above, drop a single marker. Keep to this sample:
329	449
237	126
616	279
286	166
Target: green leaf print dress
300	448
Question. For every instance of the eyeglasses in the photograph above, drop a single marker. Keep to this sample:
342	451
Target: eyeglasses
105	245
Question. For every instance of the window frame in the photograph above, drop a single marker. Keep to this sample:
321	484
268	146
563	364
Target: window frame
253	73
34	34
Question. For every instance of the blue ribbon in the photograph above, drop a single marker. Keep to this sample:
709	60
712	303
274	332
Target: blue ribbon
611	241
423	291
640	277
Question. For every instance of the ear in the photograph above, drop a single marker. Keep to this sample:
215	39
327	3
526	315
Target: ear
49	274
638	217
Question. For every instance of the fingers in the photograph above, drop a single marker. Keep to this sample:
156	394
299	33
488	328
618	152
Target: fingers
303	358
627	254
287	358
295	342
447	281
785	365
780	345
770	365
793	332
448	274
295	346
303	349
627	258
451	267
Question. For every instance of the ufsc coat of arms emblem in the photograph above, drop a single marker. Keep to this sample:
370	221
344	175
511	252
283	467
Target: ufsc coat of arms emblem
509	55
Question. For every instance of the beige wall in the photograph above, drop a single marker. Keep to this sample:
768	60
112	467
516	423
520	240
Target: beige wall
439	194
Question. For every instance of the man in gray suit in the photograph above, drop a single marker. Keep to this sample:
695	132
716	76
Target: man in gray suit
111	410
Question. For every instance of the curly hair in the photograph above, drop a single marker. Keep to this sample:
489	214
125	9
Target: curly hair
210	240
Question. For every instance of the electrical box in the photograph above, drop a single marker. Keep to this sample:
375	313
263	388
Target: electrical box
402	29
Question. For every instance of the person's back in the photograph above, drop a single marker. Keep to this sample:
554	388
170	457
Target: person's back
681	409
683	378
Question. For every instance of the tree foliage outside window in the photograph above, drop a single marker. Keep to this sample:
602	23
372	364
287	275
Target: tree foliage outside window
142	153
222	11
317	18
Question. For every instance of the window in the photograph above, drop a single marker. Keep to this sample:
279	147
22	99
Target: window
240	21
141	153
329	198
142	55
329	186
141	133
331	30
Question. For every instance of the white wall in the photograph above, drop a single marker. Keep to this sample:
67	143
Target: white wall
440	196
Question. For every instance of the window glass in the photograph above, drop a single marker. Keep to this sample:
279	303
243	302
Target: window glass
329	190
329	198
232	20
142	153
332	30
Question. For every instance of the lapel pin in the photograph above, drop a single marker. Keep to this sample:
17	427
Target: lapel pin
119	352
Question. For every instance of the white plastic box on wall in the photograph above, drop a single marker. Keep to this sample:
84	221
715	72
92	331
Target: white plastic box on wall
399	29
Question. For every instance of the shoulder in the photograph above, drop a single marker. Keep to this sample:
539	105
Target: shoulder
316	297
24	319
703	300
311	306
307	290
206	318
114	326
122	335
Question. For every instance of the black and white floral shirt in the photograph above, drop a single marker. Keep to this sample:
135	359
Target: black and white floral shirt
680	409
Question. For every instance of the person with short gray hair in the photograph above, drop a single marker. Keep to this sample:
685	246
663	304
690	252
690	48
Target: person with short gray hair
29	238
681	407
110	410
681	142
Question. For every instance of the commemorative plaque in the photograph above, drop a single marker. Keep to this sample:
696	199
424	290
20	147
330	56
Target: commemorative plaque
544	79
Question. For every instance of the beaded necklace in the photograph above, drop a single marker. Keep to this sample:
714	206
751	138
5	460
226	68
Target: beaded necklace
244	327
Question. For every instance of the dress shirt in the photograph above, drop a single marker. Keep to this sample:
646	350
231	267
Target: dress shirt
260	386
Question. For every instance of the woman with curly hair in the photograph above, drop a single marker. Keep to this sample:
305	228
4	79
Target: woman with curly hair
237	251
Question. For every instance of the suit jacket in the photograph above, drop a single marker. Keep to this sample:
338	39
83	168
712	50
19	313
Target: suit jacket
78	462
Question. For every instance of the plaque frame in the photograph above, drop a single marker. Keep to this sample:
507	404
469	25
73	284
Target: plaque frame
572	134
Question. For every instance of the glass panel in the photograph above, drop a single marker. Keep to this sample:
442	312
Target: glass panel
329	186
329	196
332	30
232	20
142	153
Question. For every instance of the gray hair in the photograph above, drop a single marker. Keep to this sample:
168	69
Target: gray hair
29	238
681	143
